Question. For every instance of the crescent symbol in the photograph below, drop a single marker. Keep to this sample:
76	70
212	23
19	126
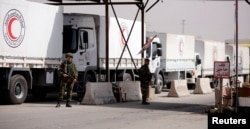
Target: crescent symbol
10	28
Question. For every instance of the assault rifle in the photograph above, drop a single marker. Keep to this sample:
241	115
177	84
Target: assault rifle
69	75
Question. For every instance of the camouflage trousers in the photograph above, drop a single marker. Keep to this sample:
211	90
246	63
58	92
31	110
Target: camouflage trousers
69	89
145	91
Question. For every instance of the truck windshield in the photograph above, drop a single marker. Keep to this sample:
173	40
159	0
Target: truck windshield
69	39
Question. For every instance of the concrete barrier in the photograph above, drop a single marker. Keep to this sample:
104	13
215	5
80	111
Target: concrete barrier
202	86
130	90
178	89
98	93
151	94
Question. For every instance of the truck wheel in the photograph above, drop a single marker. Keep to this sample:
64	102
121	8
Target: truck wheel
159	84
89	78
127	77
18	89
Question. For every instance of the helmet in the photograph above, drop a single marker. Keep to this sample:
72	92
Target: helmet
69	54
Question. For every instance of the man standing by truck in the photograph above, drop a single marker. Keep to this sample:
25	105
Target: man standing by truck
145	78
68	74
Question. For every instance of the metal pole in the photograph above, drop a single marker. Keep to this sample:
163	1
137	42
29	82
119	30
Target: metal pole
236	43
142	26
220	94
107	40
248	2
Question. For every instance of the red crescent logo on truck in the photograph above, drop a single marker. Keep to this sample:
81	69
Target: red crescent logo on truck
13	28
181	46
124	28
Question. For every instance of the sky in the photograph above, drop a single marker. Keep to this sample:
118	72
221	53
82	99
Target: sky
213	20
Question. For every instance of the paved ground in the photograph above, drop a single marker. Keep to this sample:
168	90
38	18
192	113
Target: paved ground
163	113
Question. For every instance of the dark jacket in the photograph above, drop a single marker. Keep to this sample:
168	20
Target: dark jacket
145	75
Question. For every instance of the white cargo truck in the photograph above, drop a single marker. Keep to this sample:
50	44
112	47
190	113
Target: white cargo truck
176	60
243	60
36	36
208	51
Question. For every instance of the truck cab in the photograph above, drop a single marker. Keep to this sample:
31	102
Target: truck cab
154	53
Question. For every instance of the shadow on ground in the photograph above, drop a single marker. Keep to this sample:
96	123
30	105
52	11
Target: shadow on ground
51	99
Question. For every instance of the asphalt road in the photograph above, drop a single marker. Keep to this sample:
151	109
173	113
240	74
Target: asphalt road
163	113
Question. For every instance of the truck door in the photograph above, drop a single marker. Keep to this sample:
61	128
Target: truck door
87	54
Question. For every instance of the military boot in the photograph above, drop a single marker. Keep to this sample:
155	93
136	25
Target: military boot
68	104
58	103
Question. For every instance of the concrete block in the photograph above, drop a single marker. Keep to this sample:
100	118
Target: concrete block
130	90
98	93
202	86
178	89
151	94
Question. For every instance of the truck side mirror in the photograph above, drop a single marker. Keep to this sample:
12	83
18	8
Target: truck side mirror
228	60
159	45
198	60
159	52
85	37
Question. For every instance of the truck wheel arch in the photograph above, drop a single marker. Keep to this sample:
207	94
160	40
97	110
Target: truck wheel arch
159	71
25	72
89	74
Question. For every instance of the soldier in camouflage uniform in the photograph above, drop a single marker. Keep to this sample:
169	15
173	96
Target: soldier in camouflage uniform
145	78
68	74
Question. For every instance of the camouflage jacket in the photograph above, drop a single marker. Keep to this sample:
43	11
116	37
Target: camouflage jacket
145	75
70	69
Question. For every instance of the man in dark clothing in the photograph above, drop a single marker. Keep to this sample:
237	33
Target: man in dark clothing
68	74
145	78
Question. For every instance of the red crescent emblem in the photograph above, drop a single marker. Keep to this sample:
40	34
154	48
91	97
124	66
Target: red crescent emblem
123	40
14	28
12	37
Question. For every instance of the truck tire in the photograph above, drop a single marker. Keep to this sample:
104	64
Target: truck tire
127	77
18	89
159	84
89	78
